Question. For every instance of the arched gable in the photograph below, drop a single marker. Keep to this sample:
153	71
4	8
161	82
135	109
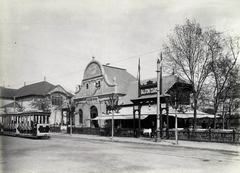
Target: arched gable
93	69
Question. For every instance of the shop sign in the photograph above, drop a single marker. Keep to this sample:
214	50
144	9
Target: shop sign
92	99
147	91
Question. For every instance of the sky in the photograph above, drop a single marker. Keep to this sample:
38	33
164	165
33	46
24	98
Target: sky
56	39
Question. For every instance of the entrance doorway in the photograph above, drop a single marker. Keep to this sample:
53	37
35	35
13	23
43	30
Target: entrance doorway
94	114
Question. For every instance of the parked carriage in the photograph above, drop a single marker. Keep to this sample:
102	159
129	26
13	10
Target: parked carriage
26	124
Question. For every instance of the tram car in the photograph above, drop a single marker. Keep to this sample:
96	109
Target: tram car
26	124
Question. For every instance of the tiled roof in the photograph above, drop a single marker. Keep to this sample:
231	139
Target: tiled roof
167	83
123	78
7	92
40	89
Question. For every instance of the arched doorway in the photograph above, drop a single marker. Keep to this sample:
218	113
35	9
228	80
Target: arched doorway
94	114
80	116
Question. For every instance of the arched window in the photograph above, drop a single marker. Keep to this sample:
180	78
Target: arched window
80	116
94	114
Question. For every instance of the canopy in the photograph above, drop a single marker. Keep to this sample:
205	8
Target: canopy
190	114
117	117
127	113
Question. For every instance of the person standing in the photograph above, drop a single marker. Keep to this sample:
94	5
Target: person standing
164	129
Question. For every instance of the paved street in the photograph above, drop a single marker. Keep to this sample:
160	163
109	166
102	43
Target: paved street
68	154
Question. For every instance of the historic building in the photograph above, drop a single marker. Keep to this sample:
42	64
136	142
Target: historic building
137	99
7	103
38	96
98	84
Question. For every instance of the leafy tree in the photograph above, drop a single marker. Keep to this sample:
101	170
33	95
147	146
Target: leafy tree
185	51
43	104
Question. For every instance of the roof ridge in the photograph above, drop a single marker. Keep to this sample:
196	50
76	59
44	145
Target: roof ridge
114	67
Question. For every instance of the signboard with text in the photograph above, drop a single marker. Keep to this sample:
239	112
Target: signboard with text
147	91
149	88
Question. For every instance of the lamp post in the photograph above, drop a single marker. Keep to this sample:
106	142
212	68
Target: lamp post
159	83
176	121
112	118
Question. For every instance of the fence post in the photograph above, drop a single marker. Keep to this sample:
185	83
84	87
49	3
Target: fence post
210	135
188	132
234	133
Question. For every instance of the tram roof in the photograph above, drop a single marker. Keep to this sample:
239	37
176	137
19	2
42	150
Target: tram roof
41	113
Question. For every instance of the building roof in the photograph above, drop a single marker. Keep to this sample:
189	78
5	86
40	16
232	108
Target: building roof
40	89
167	83
7	93
123	78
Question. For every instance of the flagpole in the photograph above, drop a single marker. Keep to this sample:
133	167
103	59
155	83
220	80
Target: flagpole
139	78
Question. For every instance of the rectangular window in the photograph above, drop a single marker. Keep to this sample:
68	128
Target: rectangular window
57	100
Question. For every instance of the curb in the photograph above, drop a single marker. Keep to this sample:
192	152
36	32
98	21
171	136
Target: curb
151	143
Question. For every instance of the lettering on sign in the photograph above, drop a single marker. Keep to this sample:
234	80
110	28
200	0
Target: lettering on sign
92	99
149	91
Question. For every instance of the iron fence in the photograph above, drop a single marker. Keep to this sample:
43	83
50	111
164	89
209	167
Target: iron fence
207	135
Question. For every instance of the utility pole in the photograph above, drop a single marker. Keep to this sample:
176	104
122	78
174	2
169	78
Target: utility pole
159	83
112	117
114	101
176	122
14	103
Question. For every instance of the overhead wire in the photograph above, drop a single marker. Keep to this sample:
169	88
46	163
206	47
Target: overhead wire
74	72
79	71
15	43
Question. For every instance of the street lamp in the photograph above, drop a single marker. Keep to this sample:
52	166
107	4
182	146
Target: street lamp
159	91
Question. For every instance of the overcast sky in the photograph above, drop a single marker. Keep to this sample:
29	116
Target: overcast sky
57	38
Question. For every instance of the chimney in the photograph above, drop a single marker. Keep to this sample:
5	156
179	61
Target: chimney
44	78
24	83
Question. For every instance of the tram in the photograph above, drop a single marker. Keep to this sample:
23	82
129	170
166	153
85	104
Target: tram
26	124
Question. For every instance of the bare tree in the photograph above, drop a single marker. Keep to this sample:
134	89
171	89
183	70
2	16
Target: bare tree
222	52
185	51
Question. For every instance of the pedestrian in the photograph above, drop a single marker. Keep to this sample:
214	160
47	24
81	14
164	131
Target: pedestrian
153	128
164	129
203	125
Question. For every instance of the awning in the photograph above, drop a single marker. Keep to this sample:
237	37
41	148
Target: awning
125	113
190	114
118	117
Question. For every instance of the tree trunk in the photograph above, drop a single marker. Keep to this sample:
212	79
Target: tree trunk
195	112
